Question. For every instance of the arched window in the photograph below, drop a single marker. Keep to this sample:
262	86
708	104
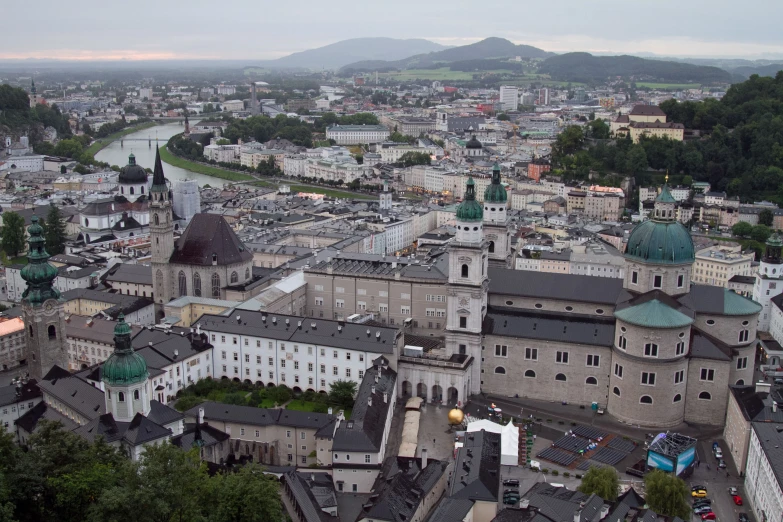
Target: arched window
136	395
215	285
560	377
677	398
616	391
491	247
740	382
52	332
234	278
155	219
131	191
142	189
500	369
530	373
31	331
464	270
197	285
705	396
247	274
646	399
183	284
591	380
121	397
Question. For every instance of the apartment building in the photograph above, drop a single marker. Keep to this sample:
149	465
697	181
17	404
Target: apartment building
127	279
411	126
509	97
294	165
763	489
15	400
222	153
303	353
12	342
601	207
747	404
90	341
392	152
251	157
355	134
271	436
84	301
716	265
337	169
396	291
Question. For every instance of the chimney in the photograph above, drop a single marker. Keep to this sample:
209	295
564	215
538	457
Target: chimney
369	400
372	389
201	415
385	397
423	458
774	406
763	387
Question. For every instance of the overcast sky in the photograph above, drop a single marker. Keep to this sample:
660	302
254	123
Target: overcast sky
267	29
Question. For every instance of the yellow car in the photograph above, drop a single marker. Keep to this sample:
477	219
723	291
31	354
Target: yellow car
699	493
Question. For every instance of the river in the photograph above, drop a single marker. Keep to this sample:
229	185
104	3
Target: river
117	153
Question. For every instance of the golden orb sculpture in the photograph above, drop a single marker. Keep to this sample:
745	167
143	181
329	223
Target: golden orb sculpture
456	416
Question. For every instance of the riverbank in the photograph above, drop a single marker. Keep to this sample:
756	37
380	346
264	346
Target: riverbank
200	168
102	143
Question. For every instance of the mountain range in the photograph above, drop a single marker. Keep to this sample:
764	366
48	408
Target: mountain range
487	48
339	54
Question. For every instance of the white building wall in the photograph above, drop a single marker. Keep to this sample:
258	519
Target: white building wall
763	491
186	199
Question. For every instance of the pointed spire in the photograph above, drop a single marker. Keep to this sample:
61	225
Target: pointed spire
131	159
158	179
32	86
38	273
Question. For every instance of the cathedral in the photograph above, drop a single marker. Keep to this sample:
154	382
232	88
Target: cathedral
650	350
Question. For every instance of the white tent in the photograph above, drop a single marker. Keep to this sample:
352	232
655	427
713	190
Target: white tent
509	439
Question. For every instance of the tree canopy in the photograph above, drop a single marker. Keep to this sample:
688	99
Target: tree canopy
54	233
603	481
13	236
342	393
263	128
410	159
666	494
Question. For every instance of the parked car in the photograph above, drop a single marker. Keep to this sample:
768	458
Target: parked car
697	488
702	502
511	491
743	517
708	516
698	510
718	453
737	500
732	491
778	380
721	464
510	501
700	493
511	482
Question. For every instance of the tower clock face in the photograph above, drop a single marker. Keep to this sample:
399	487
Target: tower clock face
48	306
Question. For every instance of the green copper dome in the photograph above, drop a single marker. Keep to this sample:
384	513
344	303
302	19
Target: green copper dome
38	273
495	192
125	366
470	209
665	242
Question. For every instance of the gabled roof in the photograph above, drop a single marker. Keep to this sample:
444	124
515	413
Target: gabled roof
477	468
653	314
545	285
364	432
570	328
26	392
77	394
138	431
208	235
214	411
715	300
647	110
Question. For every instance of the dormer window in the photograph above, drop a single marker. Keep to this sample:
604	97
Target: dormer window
214	259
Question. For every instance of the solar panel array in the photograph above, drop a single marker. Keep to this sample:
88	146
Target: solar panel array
558	457
589	432
609	456
622	445
571	443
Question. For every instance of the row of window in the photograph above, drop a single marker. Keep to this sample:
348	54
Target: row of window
561	357
310	380
183	283
223	353
559	377
336	456
658	280
648	378
646	399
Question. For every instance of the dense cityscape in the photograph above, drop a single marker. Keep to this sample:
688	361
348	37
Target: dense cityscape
473	283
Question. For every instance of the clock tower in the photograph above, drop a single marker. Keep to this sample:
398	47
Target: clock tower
42	310
161	237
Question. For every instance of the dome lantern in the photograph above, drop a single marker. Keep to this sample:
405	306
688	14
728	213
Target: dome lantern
495	191
124	366
470	209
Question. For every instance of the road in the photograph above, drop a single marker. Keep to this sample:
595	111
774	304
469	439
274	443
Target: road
717	484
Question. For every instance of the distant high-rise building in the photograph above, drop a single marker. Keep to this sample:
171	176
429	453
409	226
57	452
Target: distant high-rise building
186	199
543	96
509	97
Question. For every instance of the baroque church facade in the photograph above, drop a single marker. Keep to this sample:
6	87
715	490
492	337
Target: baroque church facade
651	350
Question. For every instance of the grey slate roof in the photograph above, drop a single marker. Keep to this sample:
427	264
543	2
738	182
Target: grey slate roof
312	492
77	394
400	488
757	406
544	285
209	234
162	414
207	436
26	392
326	332
127	273
138	431
770	437
705	347
30	419
214	411
477	468
364	431
572	328
451	509
625	503
716	300
560	504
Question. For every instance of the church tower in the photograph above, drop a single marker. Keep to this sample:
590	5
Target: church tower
385	197
496	221
161	236
466	301
33	95
768	279
125	377
42	309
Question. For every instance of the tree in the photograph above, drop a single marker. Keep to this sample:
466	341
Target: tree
342	392
55	231
503	117
766	217
245	496
666	494
410	159
598	129
636	161
603	481
13	233
742	229
400	138
760	233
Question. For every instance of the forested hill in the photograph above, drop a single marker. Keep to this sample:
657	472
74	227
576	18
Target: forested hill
584	67
17	118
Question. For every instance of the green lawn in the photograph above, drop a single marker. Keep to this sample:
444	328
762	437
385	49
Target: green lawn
267	403
675	86
266	184
21	260
102	143
444	73
200	168
309	406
